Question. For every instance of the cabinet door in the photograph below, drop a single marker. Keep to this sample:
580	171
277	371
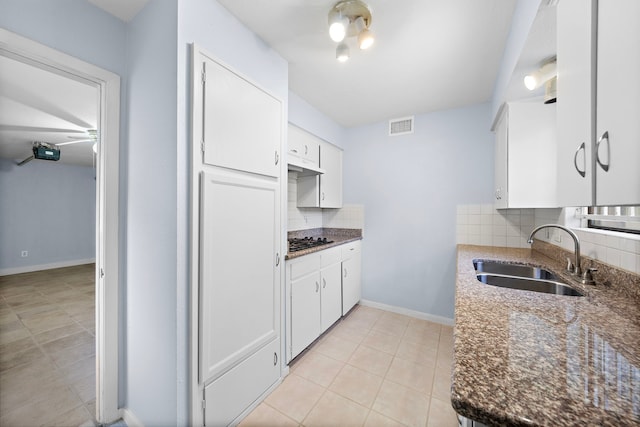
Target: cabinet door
618	103
304	145
331	180
330	295
500	167
239	283
576	102
242	123
351	276
305	312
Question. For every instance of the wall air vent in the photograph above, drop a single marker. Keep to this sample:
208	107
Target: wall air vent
401	126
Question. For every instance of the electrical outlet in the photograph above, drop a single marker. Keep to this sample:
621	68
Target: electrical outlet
24	254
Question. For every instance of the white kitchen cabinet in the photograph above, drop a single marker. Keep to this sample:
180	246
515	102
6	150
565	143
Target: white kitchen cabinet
323	191
618	103
316	290
242	123
351	275
331	287
236	198
598	102
525	162
303	146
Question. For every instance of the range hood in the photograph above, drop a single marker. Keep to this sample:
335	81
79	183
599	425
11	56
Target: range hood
303	168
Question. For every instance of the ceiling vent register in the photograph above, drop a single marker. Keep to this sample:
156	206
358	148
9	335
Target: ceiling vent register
401	126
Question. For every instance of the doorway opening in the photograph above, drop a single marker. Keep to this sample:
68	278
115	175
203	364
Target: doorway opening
101	137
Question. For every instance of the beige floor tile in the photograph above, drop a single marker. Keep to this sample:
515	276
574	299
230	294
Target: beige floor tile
40	413
335	347
72	355
376	419
13	359
47	322
413	375
417	353
10	336
295	397
357	385
86	388
371	360
74	417
69	341
442	384
57	333
402	404
441	414
391	325
334	410
422	337
348	333
425	326
17	346
264	415
381	341
318	368
79	369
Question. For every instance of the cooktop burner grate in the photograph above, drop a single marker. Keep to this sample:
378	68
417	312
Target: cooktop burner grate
299	244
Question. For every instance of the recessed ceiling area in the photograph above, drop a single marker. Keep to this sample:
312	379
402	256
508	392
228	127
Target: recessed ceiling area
46	106
428	55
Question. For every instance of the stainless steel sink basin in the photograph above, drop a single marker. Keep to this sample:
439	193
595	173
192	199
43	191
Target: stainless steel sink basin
528	284
511	269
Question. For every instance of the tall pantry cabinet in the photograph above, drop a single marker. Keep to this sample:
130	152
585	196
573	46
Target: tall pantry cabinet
237	256
598	102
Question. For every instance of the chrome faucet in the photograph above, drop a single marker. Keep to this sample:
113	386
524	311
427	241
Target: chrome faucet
576	271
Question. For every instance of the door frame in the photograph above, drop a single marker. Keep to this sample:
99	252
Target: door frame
107	205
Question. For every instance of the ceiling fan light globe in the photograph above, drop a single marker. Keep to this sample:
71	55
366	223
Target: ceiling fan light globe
365	39
337	31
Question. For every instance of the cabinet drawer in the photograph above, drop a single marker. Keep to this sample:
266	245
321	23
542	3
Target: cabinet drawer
330	256
304	265
351	249
225	400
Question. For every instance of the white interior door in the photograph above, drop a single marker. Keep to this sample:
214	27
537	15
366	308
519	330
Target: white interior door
238	298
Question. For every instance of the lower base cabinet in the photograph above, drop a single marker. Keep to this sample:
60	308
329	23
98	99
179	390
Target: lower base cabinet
224	401
321	287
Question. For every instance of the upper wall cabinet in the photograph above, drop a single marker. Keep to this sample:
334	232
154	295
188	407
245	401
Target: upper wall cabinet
236	110
598	102
525	162
303	147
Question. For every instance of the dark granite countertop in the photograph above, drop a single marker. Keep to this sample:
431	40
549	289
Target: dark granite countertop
340	236
531	359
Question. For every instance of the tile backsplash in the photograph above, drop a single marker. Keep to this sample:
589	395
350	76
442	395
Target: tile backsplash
484	225
349	216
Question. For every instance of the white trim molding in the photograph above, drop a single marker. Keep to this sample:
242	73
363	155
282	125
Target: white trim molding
48	266
407	312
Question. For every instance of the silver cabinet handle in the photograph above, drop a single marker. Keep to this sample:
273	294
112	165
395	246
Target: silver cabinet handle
293	150
277	259
345	272
277	157
323	195
324	283
582	148
604	166
306	149
317	287
275	359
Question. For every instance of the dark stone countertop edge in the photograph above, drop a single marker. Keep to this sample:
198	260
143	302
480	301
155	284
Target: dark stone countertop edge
340	236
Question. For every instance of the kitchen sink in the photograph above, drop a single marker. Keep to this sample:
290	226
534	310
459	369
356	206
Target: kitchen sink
528	284
511	269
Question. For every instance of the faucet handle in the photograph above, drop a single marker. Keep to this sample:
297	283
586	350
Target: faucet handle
570	266
587	276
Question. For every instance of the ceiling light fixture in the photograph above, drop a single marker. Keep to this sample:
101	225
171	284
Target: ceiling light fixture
342	52
350	18
546	72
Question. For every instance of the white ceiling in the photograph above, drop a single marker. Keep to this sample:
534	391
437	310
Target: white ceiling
429	54
41	105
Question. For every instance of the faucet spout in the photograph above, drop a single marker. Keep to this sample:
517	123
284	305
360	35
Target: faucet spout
577	269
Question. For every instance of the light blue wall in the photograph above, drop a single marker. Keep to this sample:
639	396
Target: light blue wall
410	186
151	334
307	117
47	208
523	16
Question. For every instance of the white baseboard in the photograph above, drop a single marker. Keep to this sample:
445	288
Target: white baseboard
50	266
408	312
130	418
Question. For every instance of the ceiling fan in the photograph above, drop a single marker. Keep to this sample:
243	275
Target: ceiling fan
51	151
